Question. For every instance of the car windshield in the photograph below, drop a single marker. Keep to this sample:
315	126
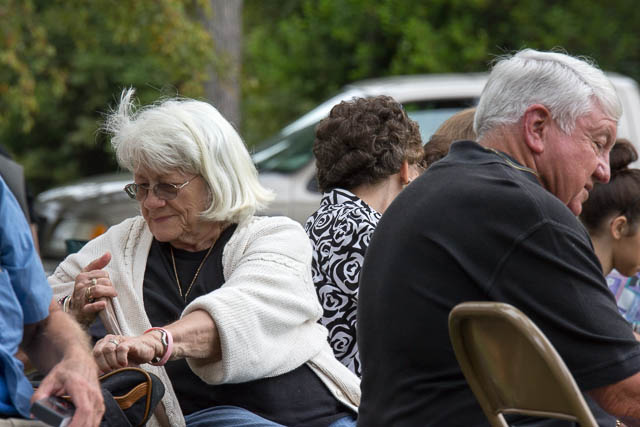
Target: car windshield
289	151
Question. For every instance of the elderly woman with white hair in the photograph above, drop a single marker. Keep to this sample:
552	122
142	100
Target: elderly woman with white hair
216	301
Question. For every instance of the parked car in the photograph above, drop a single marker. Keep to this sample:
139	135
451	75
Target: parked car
81	211
285	161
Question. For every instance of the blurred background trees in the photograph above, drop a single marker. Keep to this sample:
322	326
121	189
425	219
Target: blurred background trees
63	62
262	62
298	52
223	21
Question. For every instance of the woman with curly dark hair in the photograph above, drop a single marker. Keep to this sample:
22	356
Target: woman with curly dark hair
366	152
612	213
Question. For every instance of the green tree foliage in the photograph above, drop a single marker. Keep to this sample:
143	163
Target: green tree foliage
299	52
63	62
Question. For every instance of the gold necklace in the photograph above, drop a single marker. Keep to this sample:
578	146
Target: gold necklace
511	162
195	276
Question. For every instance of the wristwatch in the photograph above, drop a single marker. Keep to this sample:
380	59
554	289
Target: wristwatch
165	344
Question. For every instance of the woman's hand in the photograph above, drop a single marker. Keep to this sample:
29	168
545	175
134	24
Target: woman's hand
117	351
91	289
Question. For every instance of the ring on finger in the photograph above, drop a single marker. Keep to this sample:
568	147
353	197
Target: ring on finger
114	342
93	281
88	294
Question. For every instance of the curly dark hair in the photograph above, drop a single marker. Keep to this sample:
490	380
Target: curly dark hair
620	195
364	141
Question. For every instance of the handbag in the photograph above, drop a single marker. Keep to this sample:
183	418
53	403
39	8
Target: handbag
130	396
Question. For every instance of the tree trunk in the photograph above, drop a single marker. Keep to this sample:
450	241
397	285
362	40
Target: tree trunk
225	26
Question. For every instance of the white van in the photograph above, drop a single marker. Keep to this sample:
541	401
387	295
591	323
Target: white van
86	208
286	164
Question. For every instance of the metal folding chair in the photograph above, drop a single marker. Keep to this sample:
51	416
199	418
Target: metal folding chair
511	366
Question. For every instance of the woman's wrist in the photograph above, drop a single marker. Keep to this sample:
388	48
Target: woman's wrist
167	346
65	304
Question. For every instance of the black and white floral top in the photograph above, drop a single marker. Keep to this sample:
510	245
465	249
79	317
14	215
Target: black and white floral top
340	231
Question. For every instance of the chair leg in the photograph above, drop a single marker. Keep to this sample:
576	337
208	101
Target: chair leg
497	420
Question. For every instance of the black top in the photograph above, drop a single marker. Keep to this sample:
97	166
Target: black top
474	228
297	398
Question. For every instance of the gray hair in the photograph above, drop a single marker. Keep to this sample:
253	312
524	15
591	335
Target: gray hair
191	137
569	87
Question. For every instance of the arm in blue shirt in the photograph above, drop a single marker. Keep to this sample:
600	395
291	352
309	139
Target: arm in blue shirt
54	342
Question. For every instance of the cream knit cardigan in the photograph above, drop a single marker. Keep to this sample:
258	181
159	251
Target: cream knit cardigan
266	312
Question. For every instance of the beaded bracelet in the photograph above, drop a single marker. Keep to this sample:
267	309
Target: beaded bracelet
167	344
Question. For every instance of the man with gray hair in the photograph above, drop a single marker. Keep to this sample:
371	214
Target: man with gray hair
496	221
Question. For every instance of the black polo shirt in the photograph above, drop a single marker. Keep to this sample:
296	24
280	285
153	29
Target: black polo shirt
477	227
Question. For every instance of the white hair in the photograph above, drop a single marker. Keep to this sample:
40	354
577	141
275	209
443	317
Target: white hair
569	87
191	137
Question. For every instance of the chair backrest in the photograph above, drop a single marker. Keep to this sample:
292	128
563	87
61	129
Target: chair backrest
511	366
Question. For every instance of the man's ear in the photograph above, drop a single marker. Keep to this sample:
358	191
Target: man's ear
536	122
618	227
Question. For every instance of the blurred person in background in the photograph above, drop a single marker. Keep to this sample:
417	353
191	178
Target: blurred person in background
367	150
611	216
496	220
612	212
217	302
458	127
32	320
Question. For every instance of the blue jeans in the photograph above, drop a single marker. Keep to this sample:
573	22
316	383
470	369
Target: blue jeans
227	416
344	422
223	416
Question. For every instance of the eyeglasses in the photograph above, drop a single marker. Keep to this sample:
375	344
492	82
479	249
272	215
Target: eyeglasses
162	190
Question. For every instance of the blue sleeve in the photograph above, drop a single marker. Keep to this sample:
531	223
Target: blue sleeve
20	259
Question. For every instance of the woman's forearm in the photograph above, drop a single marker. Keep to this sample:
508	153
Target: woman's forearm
195	336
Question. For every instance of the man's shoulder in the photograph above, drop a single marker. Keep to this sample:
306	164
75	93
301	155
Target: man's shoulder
476	187
461	202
